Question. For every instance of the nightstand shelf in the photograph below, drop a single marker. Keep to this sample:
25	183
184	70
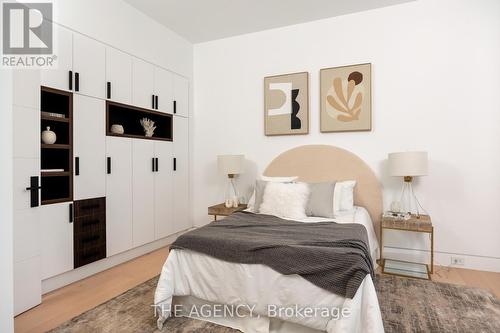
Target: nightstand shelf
222	210
423	224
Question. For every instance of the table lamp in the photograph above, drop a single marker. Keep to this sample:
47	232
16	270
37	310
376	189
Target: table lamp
408	165
231	165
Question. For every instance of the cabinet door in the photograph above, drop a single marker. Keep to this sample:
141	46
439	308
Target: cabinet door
89	147
164	90
142	83
58	77
27	284
118	76
181	96
56	239
89	65
143	189
163	194
118	195
181	219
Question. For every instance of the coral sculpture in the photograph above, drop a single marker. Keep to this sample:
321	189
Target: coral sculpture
149	126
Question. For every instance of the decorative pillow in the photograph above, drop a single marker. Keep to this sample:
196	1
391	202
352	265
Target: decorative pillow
286	200
343	197
320	201
260	185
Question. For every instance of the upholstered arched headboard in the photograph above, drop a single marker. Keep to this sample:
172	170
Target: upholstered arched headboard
317	163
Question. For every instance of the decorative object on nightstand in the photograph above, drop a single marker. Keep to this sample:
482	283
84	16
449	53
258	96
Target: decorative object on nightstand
48	136
422	224
222	210
231	165
408	165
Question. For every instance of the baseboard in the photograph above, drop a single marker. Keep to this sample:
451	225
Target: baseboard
80	273
480	263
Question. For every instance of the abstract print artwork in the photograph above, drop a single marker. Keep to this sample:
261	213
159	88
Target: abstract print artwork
286	104
346	99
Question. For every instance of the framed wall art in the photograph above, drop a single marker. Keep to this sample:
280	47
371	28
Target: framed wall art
286	104
346	99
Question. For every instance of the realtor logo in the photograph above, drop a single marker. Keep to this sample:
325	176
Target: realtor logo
27	39
27	28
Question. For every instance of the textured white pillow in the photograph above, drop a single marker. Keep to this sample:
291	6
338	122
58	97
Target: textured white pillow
343	196
286	200
279	179
251	202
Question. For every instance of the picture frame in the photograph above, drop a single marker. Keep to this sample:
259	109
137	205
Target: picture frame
345	98
286	104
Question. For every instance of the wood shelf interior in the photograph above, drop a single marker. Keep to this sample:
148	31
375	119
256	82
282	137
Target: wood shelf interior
57	186
129	117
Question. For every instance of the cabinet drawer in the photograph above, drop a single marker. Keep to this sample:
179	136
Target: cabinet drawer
89	207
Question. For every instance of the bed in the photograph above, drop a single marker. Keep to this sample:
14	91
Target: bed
239	295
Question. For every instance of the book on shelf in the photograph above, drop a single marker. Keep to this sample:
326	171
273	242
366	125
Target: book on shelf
52	170
53	114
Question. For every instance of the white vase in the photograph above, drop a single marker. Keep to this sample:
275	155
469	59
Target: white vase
48	136
117	129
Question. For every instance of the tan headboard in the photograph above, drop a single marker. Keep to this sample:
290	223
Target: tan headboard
317	163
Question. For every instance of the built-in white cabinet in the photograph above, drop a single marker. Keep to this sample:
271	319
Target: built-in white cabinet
143	84
163	90
181	96
89	66
118	76
61	76
163	189
143	188
27	284
89	149
56	235
182	219
119	195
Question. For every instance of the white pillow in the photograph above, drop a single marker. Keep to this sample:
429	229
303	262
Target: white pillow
251	202
343	196
286	200
279	179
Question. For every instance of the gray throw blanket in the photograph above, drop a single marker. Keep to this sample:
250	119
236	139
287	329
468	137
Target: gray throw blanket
333	256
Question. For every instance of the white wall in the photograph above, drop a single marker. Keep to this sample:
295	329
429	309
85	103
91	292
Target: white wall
436	79
6	205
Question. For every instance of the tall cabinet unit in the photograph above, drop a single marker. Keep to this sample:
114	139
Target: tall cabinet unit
99	190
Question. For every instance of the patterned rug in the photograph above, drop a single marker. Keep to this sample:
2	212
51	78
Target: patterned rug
407	305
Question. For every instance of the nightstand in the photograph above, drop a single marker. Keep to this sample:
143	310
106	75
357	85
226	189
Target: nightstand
222	210
404	268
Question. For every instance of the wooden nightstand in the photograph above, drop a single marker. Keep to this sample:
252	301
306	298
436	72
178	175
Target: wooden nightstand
222	210
403	268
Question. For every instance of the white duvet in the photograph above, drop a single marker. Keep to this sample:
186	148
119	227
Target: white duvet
189	278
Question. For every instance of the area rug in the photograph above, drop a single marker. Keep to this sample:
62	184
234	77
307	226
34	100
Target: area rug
407	305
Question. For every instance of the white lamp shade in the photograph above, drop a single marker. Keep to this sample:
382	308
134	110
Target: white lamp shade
230	164
411	163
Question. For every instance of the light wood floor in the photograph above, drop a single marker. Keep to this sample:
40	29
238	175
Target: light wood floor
68	302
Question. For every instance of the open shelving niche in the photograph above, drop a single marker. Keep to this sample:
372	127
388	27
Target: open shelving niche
129	117
57	186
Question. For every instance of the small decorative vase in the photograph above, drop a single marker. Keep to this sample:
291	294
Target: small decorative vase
117	129
48	136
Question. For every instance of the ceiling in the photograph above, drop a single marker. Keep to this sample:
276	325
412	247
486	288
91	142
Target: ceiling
205	20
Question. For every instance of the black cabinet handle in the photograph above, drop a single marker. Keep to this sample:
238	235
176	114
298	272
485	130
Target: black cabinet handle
175	106
71	213
152	102
77	81
156	102
34	187
153	164
108	165
108	90
156	162
175	164
77	166
70	80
